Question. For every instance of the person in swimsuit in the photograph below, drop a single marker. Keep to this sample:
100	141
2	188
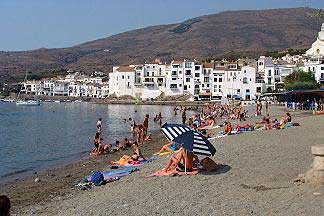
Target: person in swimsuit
179	161
267	122
228	128
170	147
137	152
99	125
183	115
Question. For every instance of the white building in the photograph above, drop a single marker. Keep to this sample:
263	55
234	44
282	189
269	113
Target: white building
317	49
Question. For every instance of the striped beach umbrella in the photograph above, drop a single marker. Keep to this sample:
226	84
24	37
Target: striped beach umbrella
189	139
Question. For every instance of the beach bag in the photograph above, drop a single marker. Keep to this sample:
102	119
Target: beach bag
209	164
97	178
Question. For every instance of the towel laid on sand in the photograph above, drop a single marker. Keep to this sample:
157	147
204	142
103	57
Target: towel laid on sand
174	173
134	163
116	173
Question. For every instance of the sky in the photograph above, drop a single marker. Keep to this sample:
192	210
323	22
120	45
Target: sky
33	24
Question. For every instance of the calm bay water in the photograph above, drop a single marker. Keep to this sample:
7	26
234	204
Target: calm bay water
35	138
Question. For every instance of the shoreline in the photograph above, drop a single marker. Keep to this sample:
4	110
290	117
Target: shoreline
112	101
59	180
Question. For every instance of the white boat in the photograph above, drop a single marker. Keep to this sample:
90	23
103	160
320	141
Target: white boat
57	101
28	103
8	100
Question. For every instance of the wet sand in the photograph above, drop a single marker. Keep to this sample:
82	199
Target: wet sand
256	179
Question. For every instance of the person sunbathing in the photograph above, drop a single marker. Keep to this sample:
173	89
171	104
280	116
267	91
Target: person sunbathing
170	147
182	162
228	128
208	125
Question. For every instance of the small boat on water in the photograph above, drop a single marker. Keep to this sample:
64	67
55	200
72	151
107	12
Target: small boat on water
57	101
8	100
28	103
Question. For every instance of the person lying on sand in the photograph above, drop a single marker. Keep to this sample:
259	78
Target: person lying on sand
179	161
170	147
126	160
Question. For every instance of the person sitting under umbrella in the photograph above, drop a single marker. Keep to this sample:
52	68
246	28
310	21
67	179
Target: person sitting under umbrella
170	148
182	162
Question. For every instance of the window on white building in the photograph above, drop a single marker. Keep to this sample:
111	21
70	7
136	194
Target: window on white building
188	64
247	90
174	78
173	86
269	72
197	67
197	74
128	77
123	77
206	79
245	80
185	87
220	79
152	73
174	73
215	79
207	85
269	81
258	89
187	79
180	85
322	68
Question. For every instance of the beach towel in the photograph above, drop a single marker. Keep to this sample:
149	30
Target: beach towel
134	163
167	153
195	171
116	173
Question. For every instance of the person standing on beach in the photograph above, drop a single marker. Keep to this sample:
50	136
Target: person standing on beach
175	110
184	116
260	108
257	108
99	125
145	124
267	107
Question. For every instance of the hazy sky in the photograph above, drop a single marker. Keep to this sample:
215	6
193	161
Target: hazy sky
31	24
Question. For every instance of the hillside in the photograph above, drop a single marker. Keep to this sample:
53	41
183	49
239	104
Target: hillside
222	34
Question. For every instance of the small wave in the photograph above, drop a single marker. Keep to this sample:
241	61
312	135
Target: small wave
16	173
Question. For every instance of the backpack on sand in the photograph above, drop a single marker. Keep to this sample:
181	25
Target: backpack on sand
209	164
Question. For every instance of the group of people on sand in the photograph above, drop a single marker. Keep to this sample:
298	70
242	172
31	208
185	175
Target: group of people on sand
274	123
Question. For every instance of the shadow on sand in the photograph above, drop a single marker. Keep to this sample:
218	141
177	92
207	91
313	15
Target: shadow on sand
222	168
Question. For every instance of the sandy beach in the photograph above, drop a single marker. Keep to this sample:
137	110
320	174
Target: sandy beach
256	178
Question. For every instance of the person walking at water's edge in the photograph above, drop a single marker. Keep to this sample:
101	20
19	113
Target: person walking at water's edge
99	125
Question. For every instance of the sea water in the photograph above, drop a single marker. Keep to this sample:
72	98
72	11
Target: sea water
35	138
